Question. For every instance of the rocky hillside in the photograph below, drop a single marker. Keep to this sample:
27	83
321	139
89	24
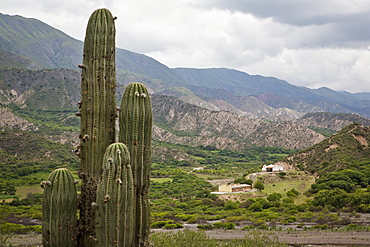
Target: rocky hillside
183	123
49	98
223	100
23	153
12	60
10	121
330	121
344	150
274	92
52	89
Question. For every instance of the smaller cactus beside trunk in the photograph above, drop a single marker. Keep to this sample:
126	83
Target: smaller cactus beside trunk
115	199
136	122
59	209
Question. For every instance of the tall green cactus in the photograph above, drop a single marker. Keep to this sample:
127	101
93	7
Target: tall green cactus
59	209
115	199
98	107
135	122
98	111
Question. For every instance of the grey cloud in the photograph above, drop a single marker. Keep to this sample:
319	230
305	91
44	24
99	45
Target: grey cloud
340	28
292	12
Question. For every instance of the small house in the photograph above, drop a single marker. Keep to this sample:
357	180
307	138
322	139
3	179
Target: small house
272	168
230	188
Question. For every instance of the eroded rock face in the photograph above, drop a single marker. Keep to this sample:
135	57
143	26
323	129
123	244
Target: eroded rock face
191	125
9	120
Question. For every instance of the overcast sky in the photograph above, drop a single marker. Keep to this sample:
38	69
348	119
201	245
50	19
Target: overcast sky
311	43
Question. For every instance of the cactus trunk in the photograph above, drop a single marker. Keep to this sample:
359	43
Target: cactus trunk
98	111
136	132
59	209
115	199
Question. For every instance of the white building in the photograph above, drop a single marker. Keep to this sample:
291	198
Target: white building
272	168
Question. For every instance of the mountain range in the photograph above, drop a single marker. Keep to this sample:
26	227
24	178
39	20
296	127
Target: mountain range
225	108
29	43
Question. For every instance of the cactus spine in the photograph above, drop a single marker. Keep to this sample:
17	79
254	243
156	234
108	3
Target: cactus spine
98	110
59	209
115	199
135	121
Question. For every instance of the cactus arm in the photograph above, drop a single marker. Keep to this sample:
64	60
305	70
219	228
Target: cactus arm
136	132
114	198
59	209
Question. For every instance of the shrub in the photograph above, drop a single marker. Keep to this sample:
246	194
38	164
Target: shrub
274	197
263	227
160	224
205	227
218	225
229	226
256	207
321	227
249	227
173	226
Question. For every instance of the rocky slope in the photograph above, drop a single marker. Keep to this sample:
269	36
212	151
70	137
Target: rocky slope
52	89
179	122
10	121
330	121
346	149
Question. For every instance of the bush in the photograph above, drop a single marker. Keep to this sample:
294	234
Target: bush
160	224
256	207
321	227
205	227
218	225
173	226
263	227
249	227
6	228
229	226
274	197
184	217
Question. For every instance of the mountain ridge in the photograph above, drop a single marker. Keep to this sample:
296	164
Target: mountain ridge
223	91
52	48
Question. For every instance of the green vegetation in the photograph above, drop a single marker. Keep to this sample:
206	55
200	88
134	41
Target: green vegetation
51	122
348	149
27	158
188	238
216	163
346	179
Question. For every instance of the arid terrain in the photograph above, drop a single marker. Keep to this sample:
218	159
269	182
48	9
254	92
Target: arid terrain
306	238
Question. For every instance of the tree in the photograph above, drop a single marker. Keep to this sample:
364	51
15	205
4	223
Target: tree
259	185
256	207
336	198
292	193
10	189
274	197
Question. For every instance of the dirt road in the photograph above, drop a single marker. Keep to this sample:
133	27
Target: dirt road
311	238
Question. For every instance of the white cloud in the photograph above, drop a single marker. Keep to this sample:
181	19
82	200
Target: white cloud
339	69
